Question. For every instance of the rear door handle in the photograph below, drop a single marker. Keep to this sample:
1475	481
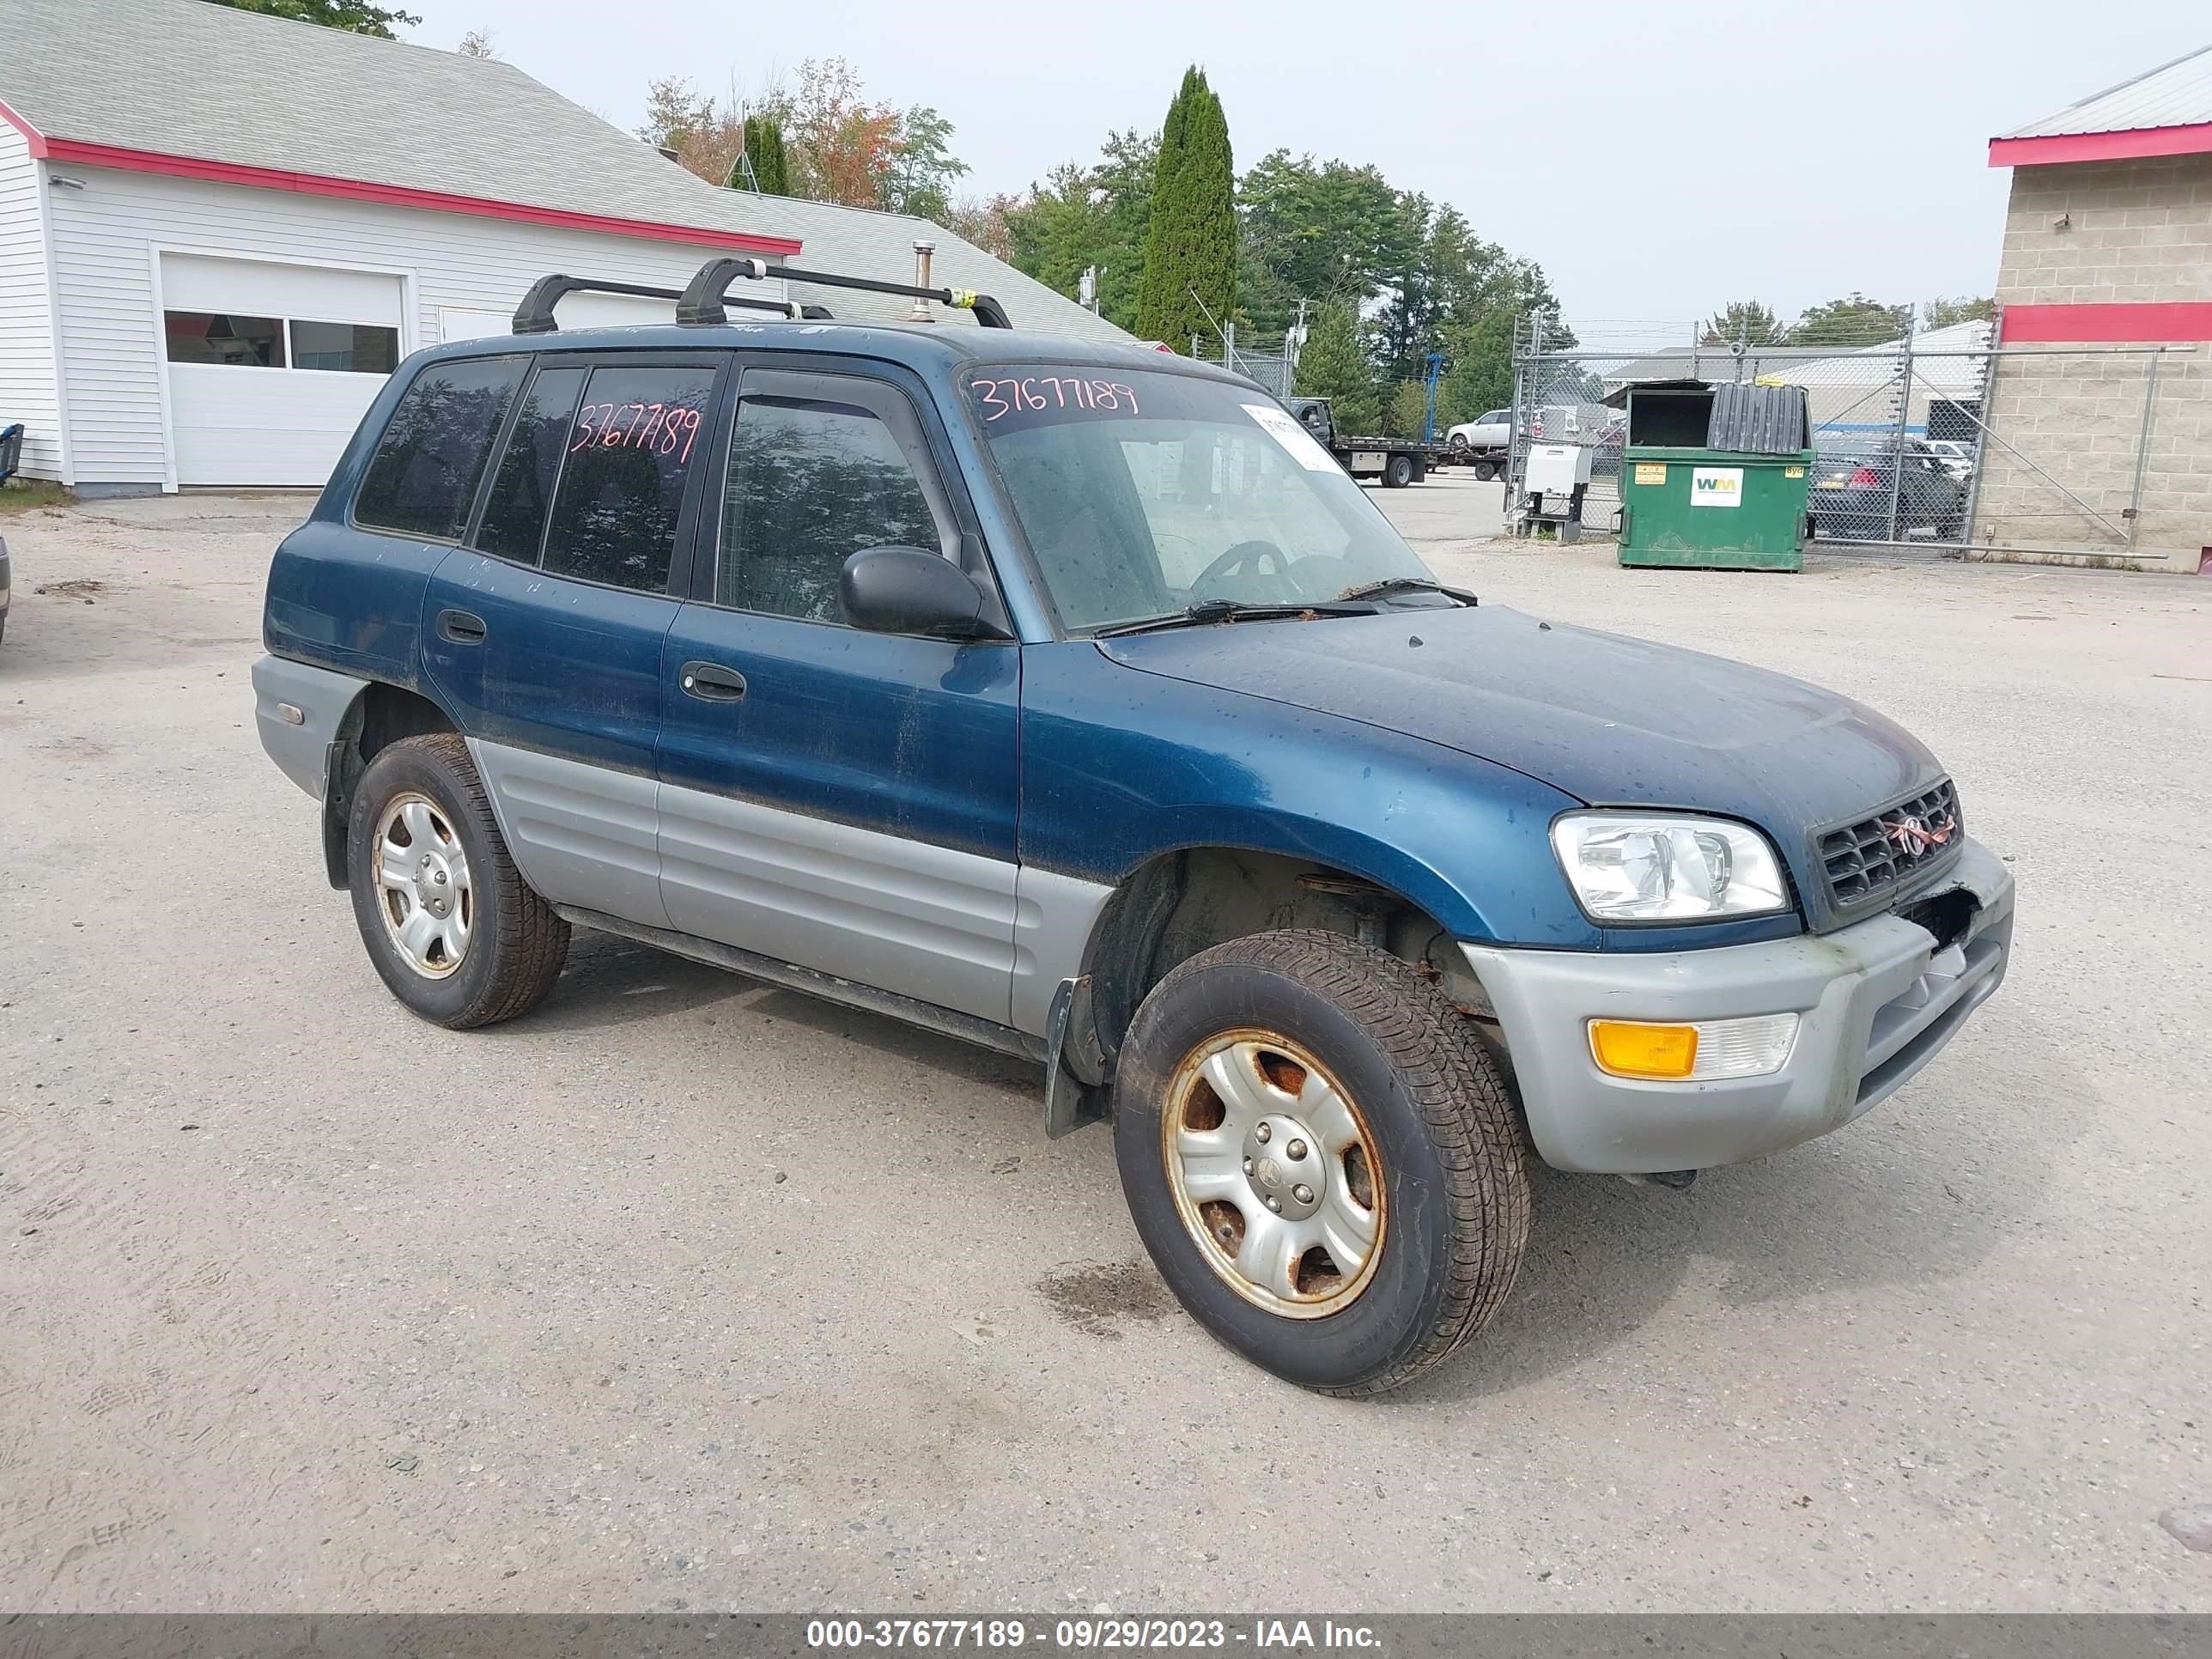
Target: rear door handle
461	627
710	681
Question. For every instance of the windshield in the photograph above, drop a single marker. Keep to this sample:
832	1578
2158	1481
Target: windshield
1143	494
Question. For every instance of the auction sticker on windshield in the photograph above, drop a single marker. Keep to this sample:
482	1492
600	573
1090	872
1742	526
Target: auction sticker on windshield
1293	437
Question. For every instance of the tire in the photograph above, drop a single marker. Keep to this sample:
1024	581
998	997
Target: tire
1445	1194
1485	470
1398	472
514	944
1458	443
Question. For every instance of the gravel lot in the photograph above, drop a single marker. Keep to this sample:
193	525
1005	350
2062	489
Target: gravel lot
688	1292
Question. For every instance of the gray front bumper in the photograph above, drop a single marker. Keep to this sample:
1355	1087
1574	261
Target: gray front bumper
1875	1001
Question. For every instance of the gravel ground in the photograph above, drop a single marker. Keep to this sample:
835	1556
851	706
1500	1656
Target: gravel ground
688	1292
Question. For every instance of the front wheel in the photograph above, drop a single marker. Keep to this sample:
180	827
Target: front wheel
453	930
1320	1158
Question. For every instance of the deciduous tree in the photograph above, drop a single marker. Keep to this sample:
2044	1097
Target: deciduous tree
1947	313
1852	321
355	16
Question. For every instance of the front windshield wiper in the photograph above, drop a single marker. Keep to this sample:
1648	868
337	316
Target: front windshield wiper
1208	611
1406	585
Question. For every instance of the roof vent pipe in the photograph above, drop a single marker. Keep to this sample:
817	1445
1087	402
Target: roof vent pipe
921	313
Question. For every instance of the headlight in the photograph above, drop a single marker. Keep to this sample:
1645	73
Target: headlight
1636	867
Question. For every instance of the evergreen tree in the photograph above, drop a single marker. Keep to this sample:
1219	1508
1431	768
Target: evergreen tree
763	146
1334	365
1190	247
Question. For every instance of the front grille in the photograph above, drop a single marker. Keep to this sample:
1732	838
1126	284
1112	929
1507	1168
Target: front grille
1874	855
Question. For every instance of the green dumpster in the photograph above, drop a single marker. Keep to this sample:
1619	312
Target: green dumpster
1715	478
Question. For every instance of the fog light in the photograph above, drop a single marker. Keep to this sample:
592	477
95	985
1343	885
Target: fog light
1700	1052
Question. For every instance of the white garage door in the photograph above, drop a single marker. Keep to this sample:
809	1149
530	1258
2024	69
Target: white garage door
272	367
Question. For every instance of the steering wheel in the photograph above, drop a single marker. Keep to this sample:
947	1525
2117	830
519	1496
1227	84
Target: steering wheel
1248	555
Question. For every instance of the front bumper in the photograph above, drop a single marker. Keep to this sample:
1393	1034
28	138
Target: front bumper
1874	1001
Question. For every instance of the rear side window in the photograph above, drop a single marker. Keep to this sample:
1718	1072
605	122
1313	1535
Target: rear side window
522	490
422	479
629	452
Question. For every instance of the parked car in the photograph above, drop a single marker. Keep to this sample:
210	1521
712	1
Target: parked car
1852	491
1955	458
1071	699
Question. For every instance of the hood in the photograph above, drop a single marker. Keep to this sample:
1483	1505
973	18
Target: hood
1612	720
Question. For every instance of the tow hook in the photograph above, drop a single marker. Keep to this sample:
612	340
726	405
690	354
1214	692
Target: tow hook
1678	1179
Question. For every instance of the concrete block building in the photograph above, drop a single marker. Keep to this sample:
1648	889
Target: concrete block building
2105	287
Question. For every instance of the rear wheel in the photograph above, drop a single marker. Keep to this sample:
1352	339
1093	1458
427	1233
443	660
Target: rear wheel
1485	470
453	930
1398	472
1320	1158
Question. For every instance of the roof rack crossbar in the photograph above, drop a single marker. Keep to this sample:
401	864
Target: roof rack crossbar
535	314
703	301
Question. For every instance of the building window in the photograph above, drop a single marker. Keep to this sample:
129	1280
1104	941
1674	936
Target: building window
359	348
422	479
201	336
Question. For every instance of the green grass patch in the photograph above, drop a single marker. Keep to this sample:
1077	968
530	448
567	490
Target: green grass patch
22	495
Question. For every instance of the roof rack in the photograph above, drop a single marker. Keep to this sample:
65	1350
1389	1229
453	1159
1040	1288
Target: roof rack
535	314
703	301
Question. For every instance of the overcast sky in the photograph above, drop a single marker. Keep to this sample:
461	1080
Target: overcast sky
1657	160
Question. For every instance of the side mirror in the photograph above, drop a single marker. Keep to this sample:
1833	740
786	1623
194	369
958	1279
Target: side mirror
904	590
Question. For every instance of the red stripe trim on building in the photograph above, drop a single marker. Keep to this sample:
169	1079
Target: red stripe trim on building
36	139
2130	145
2141	324
316	183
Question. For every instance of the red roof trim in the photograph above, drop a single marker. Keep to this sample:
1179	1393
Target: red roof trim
32	136
2153	324
2130	145
316	183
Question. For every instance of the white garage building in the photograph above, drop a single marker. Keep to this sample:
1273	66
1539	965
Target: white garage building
219	231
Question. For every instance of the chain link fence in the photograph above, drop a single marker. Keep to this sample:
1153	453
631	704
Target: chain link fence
1936	438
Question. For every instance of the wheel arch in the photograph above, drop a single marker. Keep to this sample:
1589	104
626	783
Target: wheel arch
1188	898
381	714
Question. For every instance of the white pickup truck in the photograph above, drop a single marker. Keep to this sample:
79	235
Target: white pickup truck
1483	442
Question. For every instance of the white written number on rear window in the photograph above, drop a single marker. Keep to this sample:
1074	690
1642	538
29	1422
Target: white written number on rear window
1293	437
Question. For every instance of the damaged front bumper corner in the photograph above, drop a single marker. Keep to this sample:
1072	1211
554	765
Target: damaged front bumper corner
1875	1003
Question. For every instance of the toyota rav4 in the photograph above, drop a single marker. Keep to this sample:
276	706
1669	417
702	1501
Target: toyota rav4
1071	699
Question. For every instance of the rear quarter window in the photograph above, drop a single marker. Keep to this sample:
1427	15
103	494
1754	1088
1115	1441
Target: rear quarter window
628	449
423	478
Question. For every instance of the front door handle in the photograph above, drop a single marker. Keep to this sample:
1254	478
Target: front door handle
461	627
710	681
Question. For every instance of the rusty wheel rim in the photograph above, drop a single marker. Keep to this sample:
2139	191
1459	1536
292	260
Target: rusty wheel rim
1275	1173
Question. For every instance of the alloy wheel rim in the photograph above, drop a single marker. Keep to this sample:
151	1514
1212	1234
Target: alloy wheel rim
1274	1172
423	887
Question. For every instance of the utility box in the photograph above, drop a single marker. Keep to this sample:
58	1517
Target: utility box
1556	469
1715	478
